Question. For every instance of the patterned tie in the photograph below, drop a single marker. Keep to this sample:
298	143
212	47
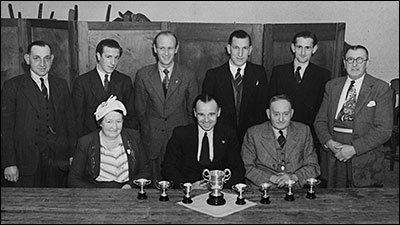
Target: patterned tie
106	82
205	151
347	111
297	75
165	81
238	79
44	89
281	139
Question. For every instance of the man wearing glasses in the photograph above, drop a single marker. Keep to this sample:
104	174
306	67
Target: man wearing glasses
353	122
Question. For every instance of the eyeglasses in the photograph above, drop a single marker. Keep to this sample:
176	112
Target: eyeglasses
359	60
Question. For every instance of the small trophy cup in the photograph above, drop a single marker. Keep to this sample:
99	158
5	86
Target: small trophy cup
312	182
240	188
289	195
163	186
141	182
216	180
186	188
265	188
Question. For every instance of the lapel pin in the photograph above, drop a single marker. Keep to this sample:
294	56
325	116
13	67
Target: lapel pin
257	83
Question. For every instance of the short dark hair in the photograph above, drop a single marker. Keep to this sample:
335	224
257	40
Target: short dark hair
305	34
111	43
38	43
355	47
239	34
279	97
204	97
165	32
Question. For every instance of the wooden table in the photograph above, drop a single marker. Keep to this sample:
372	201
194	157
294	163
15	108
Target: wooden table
48	205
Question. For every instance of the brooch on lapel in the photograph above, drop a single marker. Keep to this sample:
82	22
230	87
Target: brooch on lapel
223	141
257	83
128	151
371	103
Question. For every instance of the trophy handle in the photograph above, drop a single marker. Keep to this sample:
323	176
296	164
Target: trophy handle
147	182
206	174
227	174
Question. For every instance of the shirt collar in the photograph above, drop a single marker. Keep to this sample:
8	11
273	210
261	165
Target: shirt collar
102	74
36	77
233	68
277	134
161	69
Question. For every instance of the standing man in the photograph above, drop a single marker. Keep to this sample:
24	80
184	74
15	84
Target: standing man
302	81
164	93
205	145
37	126
280	149
240	86
95	86
353	123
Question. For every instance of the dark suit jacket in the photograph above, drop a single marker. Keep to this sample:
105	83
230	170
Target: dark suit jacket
85	166
19	123
306	98
180	162
88	92
159	114
218	82
372	126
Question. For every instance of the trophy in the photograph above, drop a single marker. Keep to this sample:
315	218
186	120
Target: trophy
289	195
141	182
265	197
186	188
163	186
216	180
240	188
312	182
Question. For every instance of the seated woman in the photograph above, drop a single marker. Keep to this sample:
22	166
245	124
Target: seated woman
111	157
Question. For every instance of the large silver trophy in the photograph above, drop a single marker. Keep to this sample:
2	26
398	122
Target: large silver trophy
216	180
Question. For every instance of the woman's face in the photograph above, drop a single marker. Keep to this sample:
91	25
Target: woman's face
111	124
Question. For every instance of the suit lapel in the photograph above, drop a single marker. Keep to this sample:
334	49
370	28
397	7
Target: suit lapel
155	82
336	91
98	89
365	90
292	138
175	80
268	141
29	89
54	93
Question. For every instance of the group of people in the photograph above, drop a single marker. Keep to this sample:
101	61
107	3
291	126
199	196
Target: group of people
165	126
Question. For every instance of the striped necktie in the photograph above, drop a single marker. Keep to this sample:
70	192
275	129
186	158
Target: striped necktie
44	89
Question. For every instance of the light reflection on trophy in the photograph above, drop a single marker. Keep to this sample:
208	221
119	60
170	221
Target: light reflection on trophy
163	185
240	188
265	188
289	195
216	180
186	188
312	182
141	182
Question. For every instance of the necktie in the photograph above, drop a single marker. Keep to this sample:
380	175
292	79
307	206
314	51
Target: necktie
165	81
205	152
44	89
238	79
106	82
281	139
297	75
347	111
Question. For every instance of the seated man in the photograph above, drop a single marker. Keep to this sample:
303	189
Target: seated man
280	149
205	145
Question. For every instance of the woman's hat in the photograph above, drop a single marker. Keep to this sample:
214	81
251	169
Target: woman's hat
110	105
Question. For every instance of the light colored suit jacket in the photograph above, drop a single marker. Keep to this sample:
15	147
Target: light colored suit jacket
260	156
372	126
158	114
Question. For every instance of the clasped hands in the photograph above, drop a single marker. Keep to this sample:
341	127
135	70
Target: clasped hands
342	152
281	179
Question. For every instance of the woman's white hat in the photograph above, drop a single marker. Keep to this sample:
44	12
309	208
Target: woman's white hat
110	105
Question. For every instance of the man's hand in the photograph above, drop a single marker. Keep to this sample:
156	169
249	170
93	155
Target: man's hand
334	146
11	173
200	184
345	153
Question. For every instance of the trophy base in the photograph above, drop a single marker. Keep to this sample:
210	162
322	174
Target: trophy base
265	200
163	198
219	200
142	196
311	195
289	198
240	201
187	200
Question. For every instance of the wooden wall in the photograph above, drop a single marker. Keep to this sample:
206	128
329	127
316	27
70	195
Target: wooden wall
202	45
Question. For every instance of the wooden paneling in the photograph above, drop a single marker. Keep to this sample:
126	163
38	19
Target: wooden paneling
203	45
278	38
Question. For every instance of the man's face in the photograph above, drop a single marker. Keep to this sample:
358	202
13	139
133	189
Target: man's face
207	114
108	60
39	59
280	113
355	70
166	49
239	50
303	49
